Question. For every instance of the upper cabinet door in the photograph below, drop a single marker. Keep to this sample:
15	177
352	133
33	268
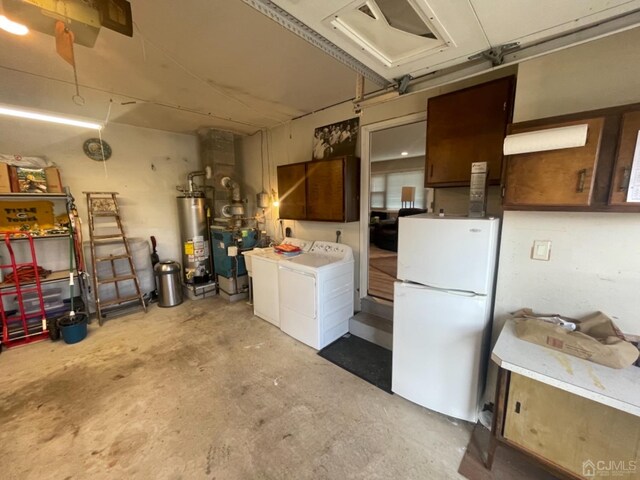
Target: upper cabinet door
325	190
556	178
464	127
624	160
292	191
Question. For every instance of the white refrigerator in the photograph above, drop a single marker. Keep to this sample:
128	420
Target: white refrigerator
442	311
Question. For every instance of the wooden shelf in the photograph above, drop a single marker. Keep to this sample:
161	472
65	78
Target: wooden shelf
37	237
42	196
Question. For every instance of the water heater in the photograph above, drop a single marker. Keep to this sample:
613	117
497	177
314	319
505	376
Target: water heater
194	238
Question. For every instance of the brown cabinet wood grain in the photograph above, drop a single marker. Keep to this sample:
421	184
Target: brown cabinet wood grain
327	190
624	158
563	177
568	430
464	127
551	180
292	191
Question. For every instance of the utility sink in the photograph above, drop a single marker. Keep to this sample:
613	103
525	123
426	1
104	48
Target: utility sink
248	255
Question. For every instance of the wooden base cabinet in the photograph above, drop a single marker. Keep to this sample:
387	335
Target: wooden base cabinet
569	431
320	190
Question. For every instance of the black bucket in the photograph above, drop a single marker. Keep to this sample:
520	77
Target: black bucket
73	328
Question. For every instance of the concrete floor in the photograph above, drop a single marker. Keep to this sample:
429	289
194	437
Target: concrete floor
207	390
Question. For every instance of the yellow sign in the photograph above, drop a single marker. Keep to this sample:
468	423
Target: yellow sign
15	215
188	248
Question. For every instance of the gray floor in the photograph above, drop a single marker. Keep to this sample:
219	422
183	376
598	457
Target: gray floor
206	390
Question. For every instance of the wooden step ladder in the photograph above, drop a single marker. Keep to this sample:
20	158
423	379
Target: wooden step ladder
104	214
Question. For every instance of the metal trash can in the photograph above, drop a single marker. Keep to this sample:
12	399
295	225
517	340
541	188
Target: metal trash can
168	280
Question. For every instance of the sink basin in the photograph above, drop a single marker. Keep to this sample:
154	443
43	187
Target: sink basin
248	255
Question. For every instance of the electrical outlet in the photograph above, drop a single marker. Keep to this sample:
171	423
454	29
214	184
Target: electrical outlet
541	250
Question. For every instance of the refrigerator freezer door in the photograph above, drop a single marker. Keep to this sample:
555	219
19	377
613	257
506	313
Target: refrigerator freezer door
439	349
455	253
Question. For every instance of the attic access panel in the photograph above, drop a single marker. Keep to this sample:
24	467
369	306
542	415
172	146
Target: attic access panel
394	32
394	37
84	17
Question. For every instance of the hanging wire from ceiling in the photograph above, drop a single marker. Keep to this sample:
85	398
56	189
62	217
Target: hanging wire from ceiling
106	122
135	100
262	157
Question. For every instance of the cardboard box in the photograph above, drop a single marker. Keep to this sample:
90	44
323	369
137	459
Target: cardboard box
596	337
54	182
14	216
5	178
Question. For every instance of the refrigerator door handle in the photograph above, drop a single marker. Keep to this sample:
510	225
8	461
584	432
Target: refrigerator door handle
461	293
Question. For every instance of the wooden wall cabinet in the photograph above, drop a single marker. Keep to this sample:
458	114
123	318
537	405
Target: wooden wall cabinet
563	177
320	190
464	127
292	191
624	159
590	178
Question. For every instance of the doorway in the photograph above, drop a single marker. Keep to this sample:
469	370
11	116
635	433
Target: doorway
393	158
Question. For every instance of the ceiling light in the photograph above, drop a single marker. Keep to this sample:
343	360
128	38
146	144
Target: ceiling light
404	154
12	27
43	117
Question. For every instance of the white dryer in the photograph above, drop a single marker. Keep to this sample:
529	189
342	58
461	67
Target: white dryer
265	279
316	294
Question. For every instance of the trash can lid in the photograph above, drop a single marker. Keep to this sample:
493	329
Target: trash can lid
166	266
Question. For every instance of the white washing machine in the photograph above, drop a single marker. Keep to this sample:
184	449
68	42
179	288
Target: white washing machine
316	294
264	266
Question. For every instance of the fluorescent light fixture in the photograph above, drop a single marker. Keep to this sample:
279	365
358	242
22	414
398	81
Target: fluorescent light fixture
12	27
43	117
404	154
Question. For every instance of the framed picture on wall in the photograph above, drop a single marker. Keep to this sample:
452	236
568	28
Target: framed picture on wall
336	140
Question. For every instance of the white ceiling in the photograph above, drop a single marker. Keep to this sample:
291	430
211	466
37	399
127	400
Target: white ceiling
222	64
202	63
462	28
390	143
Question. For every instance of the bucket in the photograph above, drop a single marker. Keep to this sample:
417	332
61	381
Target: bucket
73	330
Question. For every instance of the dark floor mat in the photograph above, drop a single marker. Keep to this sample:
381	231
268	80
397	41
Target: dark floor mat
364	359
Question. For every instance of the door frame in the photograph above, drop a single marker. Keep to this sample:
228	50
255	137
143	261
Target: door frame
365	187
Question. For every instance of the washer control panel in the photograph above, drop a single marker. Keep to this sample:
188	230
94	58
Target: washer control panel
332	249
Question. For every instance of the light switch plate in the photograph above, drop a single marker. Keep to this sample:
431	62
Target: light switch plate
541	250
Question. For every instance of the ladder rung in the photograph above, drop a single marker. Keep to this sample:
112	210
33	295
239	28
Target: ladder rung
105	214
119	300
112	257
116	279
105	237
